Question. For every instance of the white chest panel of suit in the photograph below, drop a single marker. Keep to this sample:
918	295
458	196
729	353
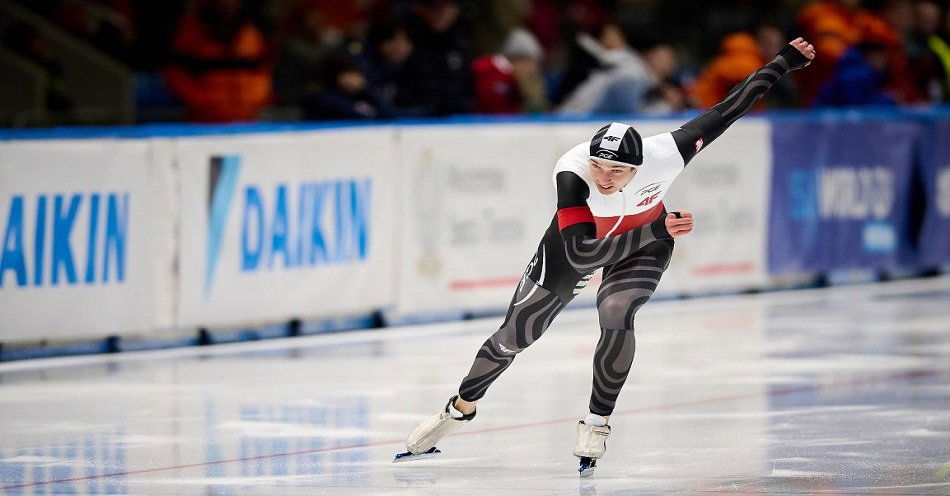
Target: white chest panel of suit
640	201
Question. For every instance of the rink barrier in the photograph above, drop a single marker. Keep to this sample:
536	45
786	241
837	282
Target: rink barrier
410	149
841	194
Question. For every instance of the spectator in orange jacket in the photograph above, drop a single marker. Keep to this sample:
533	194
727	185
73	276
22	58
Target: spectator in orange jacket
220	68
738	57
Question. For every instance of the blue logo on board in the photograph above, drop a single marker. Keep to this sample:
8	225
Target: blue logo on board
224	172
847	194
287	226
42	246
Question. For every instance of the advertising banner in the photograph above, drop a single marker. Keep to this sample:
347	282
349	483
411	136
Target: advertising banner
88	238
840	193
476	201
934	245
283	226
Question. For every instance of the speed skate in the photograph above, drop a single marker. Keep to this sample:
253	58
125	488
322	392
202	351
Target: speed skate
421	441
591	442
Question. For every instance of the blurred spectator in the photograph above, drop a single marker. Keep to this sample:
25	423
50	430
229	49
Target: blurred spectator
440	65
830	25
859	78
344	94
511	82
668	95
924	47
574	20
742	54
220	68
882	25
739	56
383	59
621	81
494	20
24	40
343	19
307	41
99	24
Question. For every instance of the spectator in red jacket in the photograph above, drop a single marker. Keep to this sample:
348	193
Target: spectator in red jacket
220	68
511	82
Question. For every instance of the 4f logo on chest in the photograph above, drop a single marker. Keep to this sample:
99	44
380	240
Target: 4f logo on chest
648	200
652	192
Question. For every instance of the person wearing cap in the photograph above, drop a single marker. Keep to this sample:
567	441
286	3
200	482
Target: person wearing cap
610	215
511	81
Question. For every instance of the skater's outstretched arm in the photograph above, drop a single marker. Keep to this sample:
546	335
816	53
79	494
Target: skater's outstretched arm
701	131
584	251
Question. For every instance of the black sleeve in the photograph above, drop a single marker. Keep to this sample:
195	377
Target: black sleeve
701	131
584	251
572	192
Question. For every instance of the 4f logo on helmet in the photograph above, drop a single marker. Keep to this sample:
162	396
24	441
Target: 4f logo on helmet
611	138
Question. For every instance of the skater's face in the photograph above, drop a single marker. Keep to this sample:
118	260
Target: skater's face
610	178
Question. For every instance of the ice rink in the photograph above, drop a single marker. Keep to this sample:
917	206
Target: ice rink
840	391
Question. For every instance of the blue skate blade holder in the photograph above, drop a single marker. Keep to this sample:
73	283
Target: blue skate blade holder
587	466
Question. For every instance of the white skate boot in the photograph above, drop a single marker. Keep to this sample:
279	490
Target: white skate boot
591	442
422	439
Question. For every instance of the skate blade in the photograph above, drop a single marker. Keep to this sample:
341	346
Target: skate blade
409	456
587	467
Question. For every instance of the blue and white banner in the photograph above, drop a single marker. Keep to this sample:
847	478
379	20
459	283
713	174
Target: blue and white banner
840	194
87	238
934	241
289	225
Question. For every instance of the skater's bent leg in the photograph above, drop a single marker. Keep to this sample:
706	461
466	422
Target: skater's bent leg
626	287
612	361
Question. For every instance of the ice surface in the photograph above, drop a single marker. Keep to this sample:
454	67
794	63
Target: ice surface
835	390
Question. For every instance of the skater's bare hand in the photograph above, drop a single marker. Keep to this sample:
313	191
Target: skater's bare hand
807	49
679	226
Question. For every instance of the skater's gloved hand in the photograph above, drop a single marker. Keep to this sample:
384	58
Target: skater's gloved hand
679	223
799	53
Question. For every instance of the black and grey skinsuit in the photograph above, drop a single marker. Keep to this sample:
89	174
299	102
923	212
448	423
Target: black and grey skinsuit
633	262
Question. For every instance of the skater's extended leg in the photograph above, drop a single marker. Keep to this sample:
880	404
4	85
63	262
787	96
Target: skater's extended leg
548	284
524	324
